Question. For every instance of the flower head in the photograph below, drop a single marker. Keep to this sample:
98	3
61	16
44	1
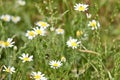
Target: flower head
6	18
73	43
42	24
7	43
31	34
38	76
81	7
9	69
15	19
55	64
26	57
40	31
94	24
59	31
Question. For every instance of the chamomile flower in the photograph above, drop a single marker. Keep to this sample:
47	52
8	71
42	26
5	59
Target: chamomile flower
6	18
8	43
55	64
26	57
94	24
42	24
59	31
38	76
40	31
15	19
63	59
21	2
9	69
30	34
73	43
81	7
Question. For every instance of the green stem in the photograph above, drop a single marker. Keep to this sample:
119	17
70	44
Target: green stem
9	76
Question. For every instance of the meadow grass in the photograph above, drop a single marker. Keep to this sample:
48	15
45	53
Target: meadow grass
68	49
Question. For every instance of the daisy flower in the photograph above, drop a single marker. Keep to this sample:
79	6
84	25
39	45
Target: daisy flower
55	64
9	69
15	19
81	7
7	43
59	31
42	24
6	18
73	43
26	57
30	34
21	2
40	31
38	76
94	24
63	59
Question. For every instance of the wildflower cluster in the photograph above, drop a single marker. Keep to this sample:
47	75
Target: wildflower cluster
39	30
83	7
7	18
42	28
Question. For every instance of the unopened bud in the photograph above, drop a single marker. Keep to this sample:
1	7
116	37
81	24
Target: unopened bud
79	33
15	48
63	59
52	29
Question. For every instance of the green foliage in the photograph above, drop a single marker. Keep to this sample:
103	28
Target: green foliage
97	58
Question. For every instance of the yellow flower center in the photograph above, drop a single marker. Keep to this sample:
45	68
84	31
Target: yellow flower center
5	18
6	43
14	18
31	33
60	30
43	24
81	8
39	31
55	65
93	24
8	70
74	44
26	59
37	76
